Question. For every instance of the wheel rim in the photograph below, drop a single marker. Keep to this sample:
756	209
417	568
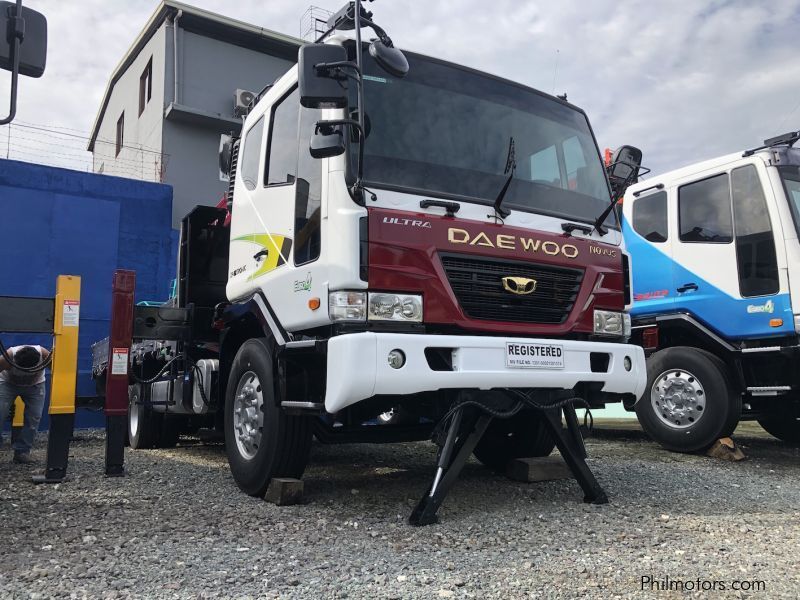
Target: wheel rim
133	414
678	398
248	414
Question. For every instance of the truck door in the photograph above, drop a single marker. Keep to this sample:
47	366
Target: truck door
649	240
276	222
725	269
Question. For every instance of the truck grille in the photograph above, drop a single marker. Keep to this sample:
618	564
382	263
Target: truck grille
477	283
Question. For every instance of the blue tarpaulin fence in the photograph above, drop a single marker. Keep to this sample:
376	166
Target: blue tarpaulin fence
57	221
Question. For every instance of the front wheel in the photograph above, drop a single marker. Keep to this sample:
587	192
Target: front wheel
261	440
688	403
525	435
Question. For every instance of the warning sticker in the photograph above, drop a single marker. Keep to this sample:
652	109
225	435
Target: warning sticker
72	313
119	361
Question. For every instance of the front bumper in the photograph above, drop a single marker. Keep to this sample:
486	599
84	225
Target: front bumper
358	368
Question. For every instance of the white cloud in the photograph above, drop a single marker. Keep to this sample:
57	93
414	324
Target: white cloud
684	81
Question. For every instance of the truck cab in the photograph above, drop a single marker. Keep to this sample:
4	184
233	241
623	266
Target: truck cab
405	237
716	282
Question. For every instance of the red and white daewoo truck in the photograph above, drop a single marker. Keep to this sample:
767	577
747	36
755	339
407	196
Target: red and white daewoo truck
409	239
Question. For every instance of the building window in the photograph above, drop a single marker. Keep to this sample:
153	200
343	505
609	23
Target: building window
283	143
704	211
120	131
248	162
145	86
650	217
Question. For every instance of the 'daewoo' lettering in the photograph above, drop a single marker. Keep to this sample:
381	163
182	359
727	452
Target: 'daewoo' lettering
511	242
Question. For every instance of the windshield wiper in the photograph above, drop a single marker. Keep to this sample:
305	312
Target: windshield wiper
598	224
511	166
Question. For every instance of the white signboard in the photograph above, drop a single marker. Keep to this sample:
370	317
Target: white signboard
523	355
72	313
119	361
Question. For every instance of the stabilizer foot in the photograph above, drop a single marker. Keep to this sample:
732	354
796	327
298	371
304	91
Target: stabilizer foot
465	431
569	442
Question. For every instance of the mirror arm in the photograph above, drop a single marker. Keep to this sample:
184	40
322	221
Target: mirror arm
340	65
379	32
18	33
334	122
357	186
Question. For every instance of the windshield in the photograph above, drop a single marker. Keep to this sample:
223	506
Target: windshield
791	179
445	131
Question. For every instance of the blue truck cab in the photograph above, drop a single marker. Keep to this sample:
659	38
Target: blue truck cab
715	262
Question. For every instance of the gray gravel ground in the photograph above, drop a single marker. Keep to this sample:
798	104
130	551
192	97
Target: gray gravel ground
177	527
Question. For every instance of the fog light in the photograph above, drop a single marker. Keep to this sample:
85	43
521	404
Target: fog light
396	359
628	363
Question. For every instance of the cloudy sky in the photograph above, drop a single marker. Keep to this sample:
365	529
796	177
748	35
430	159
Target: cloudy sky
682	80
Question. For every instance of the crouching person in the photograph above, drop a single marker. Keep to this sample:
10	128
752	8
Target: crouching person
28	384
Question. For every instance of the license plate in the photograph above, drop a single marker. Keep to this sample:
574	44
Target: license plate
522	355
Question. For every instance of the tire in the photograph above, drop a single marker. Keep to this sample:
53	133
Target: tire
784	427
525	435
689	402
261	440
144	425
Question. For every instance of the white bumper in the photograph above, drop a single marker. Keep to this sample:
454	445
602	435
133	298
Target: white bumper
358	367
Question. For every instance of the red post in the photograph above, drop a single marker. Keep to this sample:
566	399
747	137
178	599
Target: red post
119	348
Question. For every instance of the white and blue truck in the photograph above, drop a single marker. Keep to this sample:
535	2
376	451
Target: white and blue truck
716	286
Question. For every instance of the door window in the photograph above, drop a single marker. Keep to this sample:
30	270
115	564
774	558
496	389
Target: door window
650	217
309	193
704	211
283	143
755	243
248	164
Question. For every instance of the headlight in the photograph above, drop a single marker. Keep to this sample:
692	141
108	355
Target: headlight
607	322
347	306
395	307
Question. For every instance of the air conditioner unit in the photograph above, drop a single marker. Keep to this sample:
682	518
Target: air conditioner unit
242	102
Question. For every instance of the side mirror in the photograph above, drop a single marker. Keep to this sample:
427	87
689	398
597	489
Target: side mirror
624	168
321	84
225	151
32	27
23	46
389	58
327	141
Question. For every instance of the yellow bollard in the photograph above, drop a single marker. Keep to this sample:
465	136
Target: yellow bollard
64	377
19	412
65	345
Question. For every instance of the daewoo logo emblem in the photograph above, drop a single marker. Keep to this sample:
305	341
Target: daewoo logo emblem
521	286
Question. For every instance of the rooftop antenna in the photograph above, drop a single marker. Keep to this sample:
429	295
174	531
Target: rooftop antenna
555	72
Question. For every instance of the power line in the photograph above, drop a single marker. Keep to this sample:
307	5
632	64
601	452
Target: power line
140	148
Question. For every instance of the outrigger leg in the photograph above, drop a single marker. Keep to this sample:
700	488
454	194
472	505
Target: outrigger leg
570	444
466	430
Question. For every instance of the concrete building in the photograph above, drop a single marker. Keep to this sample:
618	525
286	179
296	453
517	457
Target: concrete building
172	95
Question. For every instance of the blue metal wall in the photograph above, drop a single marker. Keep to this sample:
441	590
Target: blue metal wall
56	221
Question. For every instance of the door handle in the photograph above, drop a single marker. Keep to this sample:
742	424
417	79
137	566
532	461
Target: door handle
686	287
260	255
